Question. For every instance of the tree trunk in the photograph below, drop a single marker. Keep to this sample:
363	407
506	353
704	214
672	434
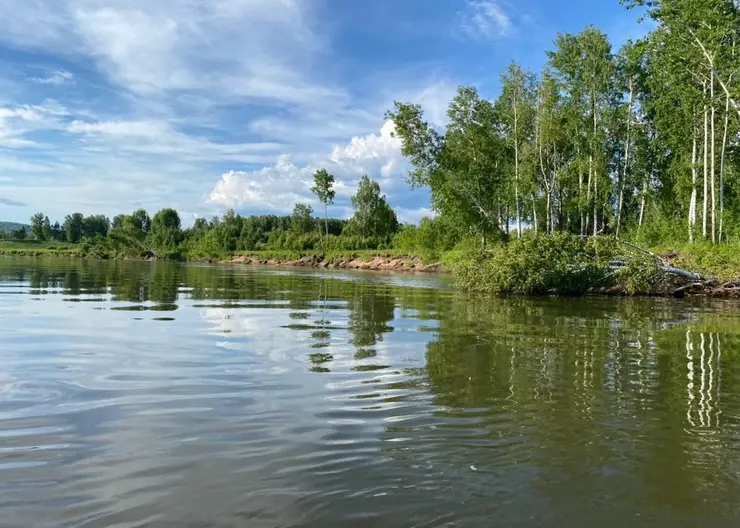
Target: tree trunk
588	191
722	172
706	168
580	197
326	223
642	203
548	209
592	172
596	206
692	203
626	160
516	173
714	186
534	215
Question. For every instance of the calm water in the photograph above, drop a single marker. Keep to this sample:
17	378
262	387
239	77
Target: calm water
166	395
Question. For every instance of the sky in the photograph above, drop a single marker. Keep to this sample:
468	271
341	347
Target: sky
107	106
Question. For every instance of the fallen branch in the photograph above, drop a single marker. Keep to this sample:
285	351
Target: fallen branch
667	268
647	252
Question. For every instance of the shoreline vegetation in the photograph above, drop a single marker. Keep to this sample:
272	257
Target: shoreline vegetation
612	171
562	264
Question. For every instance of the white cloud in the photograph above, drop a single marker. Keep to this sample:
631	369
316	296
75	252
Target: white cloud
56	77
413	216
17	121
283	184
171	93
252	48
486	20
161	138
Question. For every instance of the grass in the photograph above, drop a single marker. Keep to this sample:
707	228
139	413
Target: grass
35	248
719	262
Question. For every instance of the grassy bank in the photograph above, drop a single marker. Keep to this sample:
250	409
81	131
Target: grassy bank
571	265
561	264
34	248
46	248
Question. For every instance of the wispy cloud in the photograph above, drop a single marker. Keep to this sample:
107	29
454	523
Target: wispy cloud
55	77
18	121
159	98
486	20
11	203
147	47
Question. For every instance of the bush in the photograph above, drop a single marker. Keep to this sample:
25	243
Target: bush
561	263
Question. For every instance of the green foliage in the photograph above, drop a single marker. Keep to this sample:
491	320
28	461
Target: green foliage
562	264
165	234
642	273
73	227
94	226
373	217
37	226
323	188
302	221
431	238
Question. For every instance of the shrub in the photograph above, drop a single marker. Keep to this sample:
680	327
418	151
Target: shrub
561	263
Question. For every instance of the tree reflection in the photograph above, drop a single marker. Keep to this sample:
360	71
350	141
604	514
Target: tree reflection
370	315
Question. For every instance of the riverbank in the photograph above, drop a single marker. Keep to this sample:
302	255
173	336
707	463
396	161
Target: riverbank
557	265
369	262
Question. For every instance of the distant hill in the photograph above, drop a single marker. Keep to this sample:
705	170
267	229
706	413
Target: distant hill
13	226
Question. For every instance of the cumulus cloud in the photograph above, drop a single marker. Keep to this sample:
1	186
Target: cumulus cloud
163	104
486	19
280	186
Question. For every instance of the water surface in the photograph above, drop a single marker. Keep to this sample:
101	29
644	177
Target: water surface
169	395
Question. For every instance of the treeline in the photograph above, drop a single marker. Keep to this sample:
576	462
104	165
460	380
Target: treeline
639	142
373	226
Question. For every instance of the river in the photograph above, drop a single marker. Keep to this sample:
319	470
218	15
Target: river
157	394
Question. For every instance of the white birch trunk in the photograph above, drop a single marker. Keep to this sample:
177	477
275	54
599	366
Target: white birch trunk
692	203
516	172
643	199
722	171
706	169
626	159
713	166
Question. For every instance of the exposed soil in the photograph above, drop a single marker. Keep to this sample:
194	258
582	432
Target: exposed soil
378	263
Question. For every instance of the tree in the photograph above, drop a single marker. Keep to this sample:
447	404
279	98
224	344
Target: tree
20	233
118	221
73	227
57	232
37	226
139	221
373	216
94	226
46	229
165	233
323	188
465	168
516	107
301	221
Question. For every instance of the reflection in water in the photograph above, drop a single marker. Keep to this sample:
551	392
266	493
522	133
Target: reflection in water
163	394
704	379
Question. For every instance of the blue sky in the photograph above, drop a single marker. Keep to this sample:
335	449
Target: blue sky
111	105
